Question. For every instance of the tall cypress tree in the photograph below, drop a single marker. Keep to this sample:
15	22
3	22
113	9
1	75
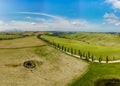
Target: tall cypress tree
86	57
68	49
92	58
58	46
83	54
75	51
65	49
71	51
88	54
79	52
107	59
62	47
100	59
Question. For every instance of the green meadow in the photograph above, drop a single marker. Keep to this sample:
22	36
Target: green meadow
97	50
9	37
98	71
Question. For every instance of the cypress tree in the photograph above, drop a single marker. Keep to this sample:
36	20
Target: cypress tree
88	54
100	59
83	54
55	45
39	36
86	57
75	51
58	46
62	47
107	59
71	51
79	52
67	49
113	58
92	58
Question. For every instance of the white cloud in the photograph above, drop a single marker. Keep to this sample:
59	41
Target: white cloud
1	22
115	3
53	23
33	23
56	23
110	15
111	18
41	19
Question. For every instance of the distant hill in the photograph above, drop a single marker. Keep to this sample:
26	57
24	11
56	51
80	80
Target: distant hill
96	38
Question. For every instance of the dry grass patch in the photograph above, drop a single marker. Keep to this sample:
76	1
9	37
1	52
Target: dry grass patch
57	69
23	42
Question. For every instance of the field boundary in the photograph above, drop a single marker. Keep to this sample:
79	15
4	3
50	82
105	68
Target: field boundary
24	47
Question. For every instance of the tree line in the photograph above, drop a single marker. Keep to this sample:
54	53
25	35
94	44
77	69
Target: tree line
88	56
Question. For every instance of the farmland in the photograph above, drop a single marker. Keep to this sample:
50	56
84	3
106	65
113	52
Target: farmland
53	68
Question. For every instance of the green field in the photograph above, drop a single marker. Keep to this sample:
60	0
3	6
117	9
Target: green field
105	39
9	37
98	71
95	49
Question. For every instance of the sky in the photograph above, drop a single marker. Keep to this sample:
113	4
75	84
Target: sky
60	15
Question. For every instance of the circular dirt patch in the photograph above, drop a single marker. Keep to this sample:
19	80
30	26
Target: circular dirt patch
29	64
107	82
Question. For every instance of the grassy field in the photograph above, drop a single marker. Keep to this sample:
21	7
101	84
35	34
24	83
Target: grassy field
98	71
96	38
95	49
9	37
53	68
23	42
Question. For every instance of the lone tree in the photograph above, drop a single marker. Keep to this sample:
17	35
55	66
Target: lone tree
107	59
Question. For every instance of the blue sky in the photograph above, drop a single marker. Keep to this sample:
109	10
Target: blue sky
60	15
